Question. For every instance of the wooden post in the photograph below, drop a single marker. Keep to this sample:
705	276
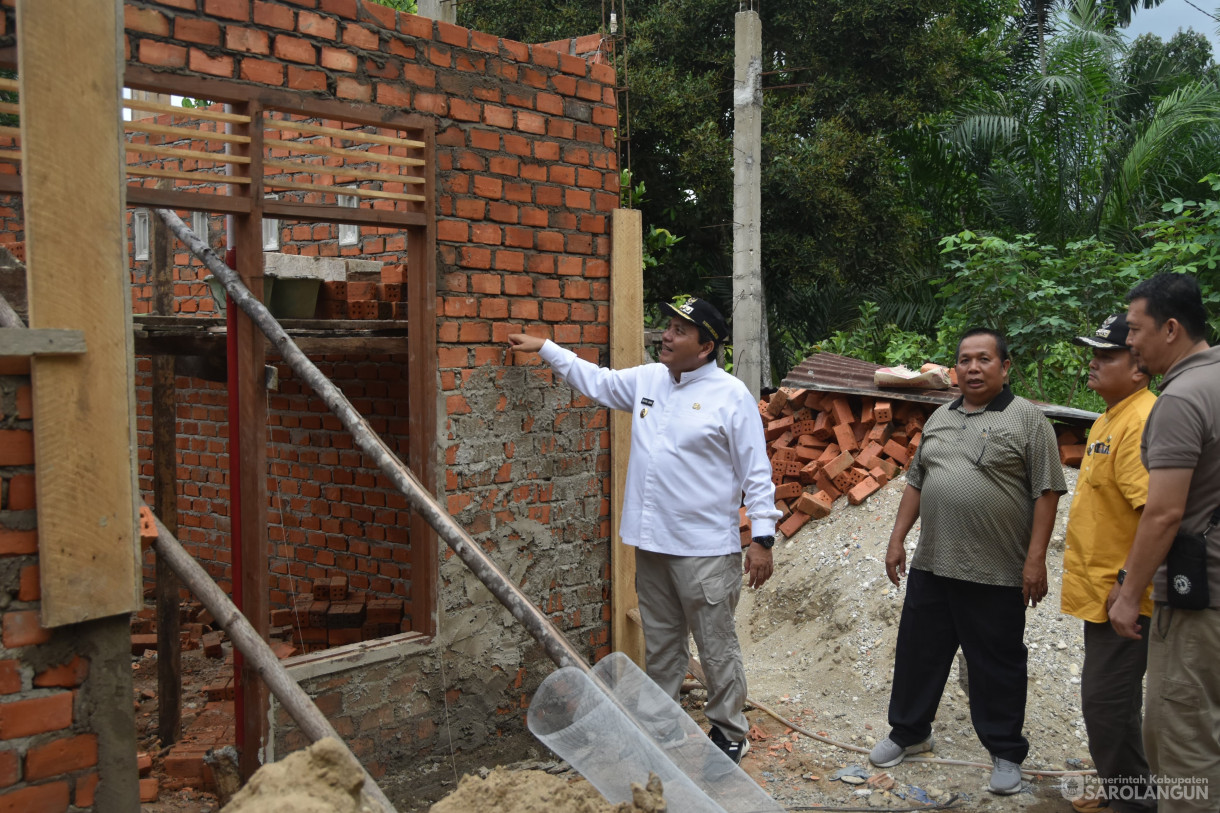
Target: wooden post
626	350
165	491
422	389
84	433
250	426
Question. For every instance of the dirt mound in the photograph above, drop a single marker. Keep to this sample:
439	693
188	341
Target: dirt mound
818	641
322	778
508	791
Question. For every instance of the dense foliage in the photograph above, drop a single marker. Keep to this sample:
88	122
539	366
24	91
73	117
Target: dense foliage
1026	129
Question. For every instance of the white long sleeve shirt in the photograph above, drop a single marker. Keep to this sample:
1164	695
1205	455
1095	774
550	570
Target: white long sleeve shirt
696	445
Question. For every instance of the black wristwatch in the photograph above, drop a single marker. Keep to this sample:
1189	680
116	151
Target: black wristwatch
1122	575
766	542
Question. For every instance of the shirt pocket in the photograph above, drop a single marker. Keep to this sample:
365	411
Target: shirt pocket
1100	465
1000	449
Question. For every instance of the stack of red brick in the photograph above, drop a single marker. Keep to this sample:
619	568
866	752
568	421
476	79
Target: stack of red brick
333	616
826	445
365	296
1071	446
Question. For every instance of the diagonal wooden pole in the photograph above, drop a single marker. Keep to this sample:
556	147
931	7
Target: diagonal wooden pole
258	654
553	642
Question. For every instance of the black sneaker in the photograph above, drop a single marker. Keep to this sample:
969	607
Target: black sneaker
733	750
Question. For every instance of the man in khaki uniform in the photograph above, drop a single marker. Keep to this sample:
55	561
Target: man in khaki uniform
1110	494
1168	332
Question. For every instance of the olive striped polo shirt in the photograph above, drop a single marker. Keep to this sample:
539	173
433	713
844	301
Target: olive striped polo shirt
979	474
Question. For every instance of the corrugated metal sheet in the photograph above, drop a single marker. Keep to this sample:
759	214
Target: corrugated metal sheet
827	372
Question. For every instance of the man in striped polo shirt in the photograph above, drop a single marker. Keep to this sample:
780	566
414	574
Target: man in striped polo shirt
985	483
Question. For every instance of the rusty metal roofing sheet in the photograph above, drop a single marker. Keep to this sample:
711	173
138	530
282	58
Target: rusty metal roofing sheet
827	372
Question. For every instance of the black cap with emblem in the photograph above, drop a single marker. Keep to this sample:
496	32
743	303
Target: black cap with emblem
702	313
1112	335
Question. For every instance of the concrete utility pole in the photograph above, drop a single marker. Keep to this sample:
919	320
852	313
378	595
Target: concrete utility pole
749	339
443	10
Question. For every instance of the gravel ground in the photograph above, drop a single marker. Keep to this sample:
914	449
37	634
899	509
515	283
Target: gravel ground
819	649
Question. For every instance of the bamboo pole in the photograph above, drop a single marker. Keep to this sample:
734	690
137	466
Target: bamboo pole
8	316
259	655
556	646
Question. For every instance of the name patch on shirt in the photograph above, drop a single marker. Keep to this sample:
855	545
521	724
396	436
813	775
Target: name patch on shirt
646	401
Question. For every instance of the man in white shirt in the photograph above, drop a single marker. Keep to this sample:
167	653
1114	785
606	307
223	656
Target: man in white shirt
696	445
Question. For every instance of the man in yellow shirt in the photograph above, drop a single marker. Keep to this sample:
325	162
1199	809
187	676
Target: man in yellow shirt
1110	494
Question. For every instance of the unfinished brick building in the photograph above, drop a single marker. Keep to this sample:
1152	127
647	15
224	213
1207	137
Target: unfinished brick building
509	227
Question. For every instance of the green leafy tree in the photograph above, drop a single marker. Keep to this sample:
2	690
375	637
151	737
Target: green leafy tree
1039	296
842	81
1092	146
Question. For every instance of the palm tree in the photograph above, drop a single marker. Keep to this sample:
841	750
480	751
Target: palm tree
1060	154
1037	15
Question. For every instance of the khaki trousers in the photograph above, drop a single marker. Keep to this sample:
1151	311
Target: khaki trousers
683	596
1182	708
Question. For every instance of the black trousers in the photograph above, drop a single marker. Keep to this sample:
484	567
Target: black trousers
1112	700
988	623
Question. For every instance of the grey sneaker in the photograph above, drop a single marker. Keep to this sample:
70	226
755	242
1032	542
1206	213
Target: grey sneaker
887	753
1005	777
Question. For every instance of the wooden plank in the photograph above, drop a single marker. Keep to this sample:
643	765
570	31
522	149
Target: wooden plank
251	428
346	135
626	350
422	388
17	341
329	213
285	101
185	133
356	156
342	172
165	493
195	155
273	183
184	112
179	199
197	177
84	432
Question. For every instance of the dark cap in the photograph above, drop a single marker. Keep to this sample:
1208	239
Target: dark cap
1112	335
702	313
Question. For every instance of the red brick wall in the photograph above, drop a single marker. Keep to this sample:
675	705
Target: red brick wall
329	513
49	725
526	175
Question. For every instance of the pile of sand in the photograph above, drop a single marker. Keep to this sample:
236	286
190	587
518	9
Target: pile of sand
507	791
322	778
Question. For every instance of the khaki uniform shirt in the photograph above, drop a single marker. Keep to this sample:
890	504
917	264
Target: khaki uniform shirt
1183	432
1111	490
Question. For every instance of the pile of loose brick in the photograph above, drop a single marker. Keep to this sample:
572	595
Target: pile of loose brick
364	295
331	615
826	445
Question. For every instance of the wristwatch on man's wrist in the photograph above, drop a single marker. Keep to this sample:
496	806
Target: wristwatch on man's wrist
1122	575
766	542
